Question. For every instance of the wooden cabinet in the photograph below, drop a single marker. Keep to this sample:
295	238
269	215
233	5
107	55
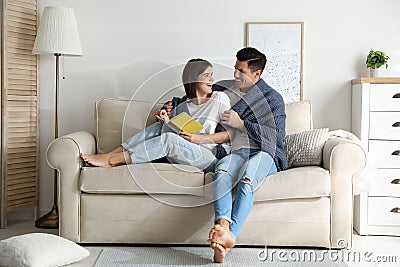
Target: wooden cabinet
376	121
19	186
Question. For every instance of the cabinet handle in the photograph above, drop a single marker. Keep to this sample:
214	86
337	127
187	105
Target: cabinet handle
396	124
396	153
396	95
395	210
396	181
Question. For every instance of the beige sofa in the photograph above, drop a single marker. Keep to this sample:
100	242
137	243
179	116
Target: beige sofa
171	204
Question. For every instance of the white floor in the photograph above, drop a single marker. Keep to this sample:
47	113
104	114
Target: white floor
367	250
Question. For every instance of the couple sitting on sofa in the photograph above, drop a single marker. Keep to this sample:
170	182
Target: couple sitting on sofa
254	116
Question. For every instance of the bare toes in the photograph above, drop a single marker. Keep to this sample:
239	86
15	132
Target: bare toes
220	248
219	253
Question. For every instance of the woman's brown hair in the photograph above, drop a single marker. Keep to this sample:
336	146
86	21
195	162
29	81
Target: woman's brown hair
192	70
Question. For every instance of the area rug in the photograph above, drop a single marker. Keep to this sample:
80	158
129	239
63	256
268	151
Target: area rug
202	256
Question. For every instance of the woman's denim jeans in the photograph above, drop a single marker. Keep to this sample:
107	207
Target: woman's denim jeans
153	143
252	164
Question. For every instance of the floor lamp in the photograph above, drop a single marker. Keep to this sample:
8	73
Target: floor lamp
57	35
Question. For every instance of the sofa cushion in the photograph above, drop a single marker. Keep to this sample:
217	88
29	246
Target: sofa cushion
151	178
302	182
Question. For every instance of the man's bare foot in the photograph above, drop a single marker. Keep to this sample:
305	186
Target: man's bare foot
219	252
211	234
99	160
221	236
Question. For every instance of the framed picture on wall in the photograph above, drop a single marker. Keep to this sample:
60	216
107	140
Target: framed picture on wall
282	43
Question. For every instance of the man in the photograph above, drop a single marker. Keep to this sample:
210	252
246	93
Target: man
258	119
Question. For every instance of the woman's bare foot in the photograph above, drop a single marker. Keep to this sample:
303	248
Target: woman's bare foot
99	160
221	236
219	252
121	158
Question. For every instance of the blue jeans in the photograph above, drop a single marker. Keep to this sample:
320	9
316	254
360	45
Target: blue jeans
153	143
252	164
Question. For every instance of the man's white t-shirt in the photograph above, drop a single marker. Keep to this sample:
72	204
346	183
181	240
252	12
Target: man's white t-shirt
241	139
209	114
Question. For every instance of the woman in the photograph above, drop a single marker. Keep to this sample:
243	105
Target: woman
154	142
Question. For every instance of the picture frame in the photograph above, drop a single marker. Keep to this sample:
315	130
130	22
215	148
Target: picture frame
283	44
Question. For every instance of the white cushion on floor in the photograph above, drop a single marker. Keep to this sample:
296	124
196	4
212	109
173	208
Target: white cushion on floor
39	250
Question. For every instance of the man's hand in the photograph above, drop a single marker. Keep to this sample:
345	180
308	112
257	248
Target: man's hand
168	107
193	138
161	116
232	119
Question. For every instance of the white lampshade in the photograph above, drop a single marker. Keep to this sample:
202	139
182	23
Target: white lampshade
58	33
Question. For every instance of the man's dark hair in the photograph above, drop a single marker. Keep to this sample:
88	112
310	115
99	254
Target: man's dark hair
192	70
255	59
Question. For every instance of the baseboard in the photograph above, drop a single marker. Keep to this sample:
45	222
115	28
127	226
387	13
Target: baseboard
26	214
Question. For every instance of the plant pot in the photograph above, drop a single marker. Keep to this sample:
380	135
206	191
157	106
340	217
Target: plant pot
373	72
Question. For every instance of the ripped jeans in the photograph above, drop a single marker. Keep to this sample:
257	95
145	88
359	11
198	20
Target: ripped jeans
252	164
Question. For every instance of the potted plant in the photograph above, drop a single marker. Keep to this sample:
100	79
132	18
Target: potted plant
375	60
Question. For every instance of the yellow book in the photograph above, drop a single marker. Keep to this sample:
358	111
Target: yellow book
184	123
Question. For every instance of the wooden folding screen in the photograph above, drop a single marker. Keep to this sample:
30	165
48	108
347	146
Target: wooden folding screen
20	107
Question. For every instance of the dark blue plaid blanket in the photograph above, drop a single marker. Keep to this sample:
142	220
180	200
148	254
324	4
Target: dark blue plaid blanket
263	111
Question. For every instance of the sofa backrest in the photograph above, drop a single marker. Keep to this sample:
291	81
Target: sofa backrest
116	120
298	117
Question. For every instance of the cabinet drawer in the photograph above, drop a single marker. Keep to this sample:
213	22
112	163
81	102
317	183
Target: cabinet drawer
385	182
382	211
385	97
385	154
384	125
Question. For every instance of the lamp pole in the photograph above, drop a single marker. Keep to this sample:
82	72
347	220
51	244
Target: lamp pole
50	220
57	55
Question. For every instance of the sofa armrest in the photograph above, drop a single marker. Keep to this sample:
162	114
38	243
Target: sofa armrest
63	154
344	159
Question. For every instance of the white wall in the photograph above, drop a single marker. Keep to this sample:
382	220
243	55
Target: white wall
126	41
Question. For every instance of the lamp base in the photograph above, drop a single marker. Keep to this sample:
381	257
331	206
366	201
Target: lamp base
49	220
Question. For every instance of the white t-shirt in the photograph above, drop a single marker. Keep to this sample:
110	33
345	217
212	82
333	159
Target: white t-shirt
209	114
241	139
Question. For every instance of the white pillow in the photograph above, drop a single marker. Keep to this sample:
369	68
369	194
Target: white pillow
39	250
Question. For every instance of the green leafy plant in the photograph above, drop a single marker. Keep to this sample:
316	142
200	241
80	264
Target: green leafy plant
377	59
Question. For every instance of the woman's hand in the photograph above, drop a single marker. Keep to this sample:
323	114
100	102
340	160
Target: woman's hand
215	138
193	138
162	116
